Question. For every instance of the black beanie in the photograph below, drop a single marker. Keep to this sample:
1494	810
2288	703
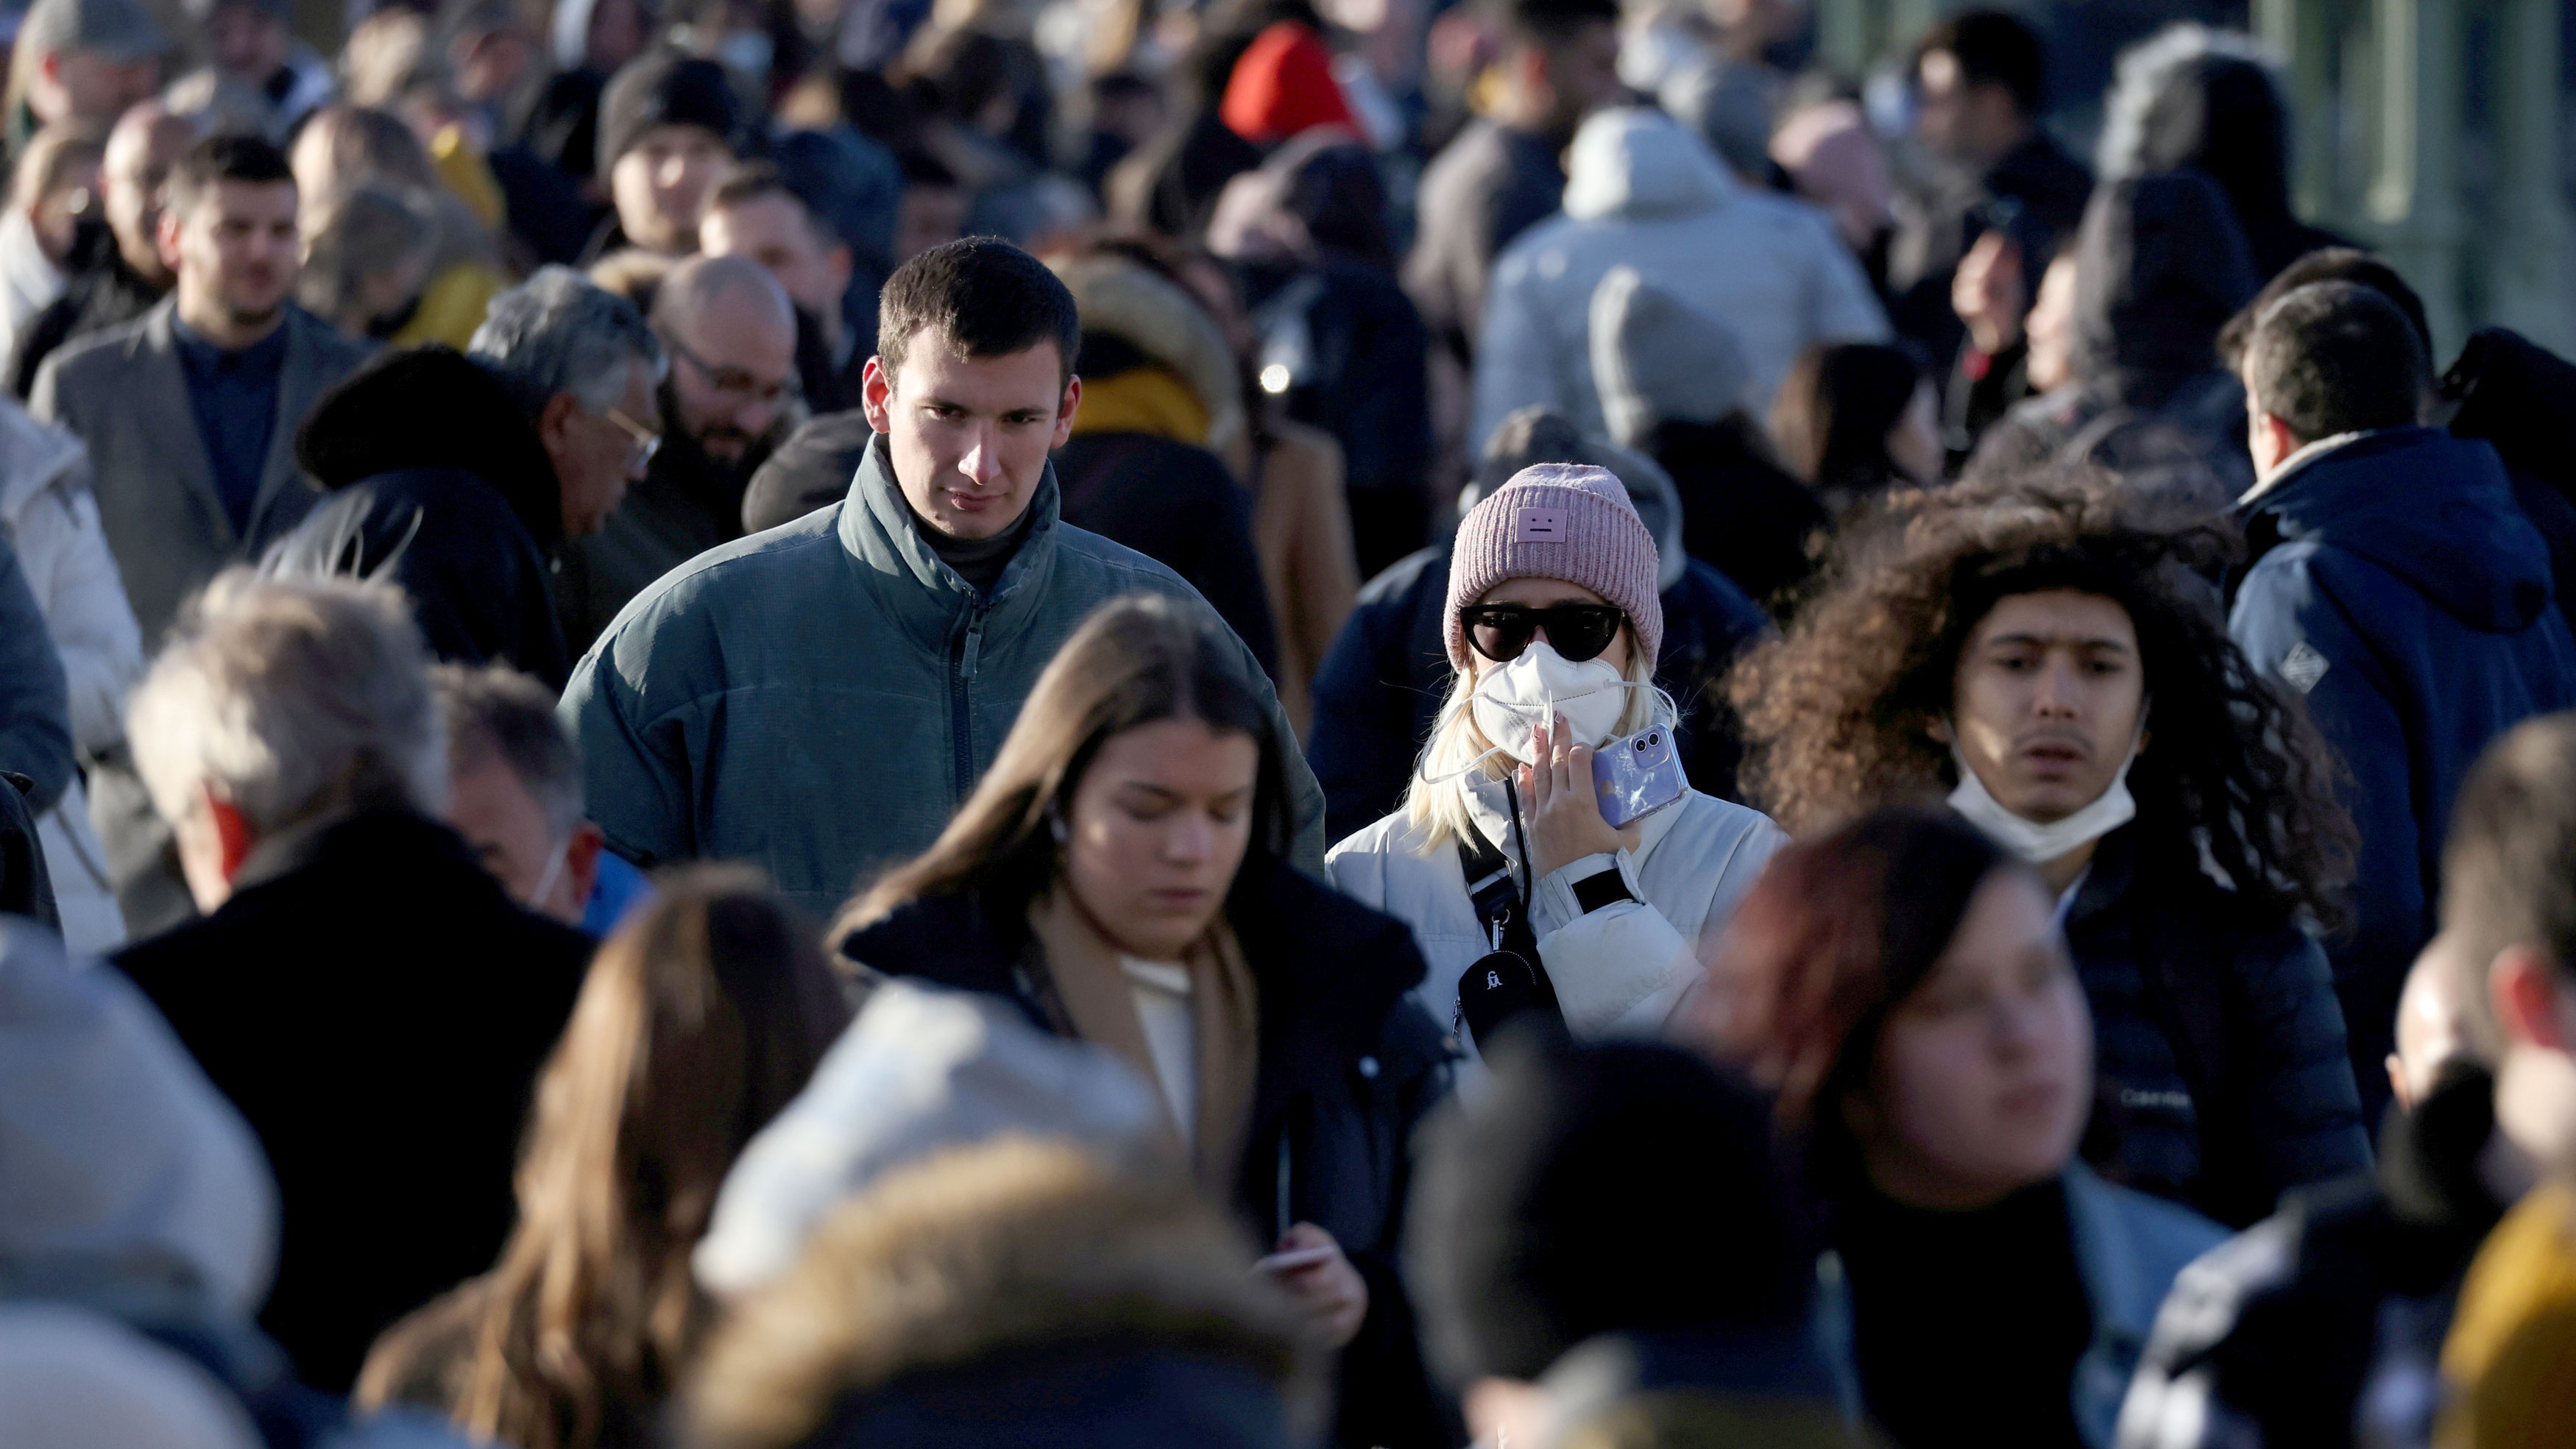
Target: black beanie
666	88
1598	1188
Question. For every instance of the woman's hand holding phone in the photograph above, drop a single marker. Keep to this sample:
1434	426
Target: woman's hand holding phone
1561	809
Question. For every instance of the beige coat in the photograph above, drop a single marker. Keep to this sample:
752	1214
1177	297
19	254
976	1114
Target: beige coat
1301	532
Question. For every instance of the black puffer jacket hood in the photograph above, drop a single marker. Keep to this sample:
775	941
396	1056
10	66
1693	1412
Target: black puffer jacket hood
2161	266
433	407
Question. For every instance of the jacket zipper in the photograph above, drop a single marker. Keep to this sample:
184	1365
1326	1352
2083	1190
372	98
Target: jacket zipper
961	675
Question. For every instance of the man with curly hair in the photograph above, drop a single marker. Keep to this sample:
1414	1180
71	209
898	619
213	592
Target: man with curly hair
2059	670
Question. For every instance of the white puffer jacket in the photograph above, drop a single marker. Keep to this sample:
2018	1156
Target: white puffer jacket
50	517
1620	970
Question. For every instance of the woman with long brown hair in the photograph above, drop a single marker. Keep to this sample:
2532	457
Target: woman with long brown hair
1121	874
700	1019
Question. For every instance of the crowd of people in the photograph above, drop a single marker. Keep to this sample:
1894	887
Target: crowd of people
1100	723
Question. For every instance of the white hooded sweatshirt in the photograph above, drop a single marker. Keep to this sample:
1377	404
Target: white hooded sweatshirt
1644	192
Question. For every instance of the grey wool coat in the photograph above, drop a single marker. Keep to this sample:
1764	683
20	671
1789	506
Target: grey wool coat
125	392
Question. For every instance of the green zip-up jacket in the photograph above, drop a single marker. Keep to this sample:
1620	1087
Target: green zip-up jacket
820	698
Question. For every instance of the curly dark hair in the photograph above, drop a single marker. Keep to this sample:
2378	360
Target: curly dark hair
1838	713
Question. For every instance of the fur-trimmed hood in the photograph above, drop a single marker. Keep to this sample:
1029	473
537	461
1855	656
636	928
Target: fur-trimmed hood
1119	298
1014	1293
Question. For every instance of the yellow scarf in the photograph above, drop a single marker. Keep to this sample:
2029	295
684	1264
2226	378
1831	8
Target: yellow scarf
1142	400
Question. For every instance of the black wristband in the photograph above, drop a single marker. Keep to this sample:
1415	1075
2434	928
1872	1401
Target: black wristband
1606	888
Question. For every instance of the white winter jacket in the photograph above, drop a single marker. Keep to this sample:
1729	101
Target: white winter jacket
51	519
1620	970
1643	190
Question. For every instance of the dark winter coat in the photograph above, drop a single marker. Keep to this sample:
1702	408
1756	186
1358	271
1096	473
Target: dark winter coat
2161	267
1742	514
1177	505
378	1009
2218	1044
2521	397
2394	583
1379	691
1348	1066
2291	1334
35	702
433	478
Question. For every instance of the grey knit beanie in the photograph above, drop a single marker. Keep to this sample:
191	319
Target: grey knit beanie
1657	358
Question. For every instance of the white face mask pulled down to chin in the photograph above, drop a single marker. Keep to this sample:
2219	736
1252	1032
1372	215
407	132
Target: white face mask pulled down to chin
1513	701
2029	839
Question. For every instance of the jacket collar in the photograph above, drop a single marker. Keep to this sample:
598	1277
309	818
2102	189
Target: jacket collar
912	584
2308	453
165	394
380	840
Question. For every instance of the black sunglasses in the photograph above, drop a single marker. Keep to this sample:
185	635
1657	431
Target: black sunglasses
1576	631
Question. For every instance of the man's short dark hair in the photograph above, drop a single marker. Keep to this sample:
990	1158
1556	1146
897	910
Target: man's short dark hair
753	180
2335	357
1993	48
2325	264
1552	22
2509	864
981	296
223	158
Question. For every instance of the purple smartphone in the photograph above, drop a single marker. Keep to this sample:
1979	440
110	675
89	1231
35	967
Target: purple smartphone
1638	776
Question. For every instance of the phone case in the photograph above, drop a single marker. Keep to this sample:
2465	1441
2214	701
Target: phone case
1638	776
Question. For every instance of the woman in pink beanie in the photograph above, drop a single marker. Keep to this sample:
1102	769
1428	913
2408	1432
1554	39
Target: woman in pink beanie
1502	844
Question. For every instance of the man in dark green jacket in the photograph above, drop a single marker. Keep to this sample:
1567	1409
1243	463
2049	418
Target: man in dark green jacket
821	697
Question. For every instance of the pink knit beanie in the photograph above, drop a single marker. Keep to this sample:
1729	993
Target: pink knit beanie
1558	521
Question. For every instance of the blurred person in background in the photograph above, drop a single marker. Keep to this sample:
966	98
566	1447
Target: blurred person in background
345	147
1672	380
514	793
951	559
702	1017
2415	634
2046	657
1340	344
2216	102
35	739
2506	1354
589	41
190	411
1614	1249
2160	266
1122	874
728	399
367	254
51	521
83	62
669	126
1856	421
2004	357
1380	692
1502	842
1502	174
1900	985
1643	192
754	213
1160	395
251	45
1016	1293
118	277
289	736
52	192
1979	83
1837	163
932	211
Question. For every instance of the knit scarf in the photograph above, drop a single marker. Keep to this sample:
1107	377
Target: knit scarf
1082	965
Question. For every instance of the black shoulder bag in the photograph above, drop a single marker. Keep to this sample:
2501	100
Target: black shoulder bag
1509	978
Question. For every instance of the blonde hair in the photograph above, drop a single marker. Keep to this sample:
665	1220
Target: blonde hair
1435	799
